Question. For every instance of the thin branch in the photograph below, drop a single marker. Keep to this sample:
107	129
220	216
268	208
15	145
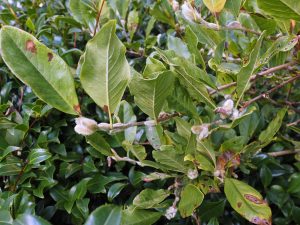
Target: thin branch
117	127
267	93
255	77
283	153
293	123
98	17
118	158
217	27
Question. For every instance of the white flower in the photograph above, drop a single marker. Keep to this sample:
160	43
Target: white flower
235	115
202	131
226	109
192	174
175	5
171	212
85	126
189	12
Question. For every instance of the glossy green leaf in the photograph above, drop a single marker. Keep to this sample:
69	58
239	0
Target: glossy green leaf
190	199
45	72
25	219
106	215
149	198
281	9
99	143
215	5
267	135
38	155
177	45
115	190
150	94
139	217
247	202
243	77
105	71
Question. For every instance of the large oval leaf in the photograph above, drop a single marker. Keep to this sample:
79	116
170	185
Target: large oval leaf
247	202
105	215
215	5
150	94
149	198
191	198
281	9
105	71
139	217
38	67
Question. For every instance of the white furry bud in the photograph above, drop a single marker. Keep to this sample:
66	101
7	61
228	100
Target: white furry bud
192	174
171	212
202	131
85	126
189	12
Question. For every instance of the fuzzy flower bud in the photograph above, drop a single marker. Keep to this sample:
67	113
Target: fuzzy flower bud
192	174
202	131
175	5
226	109
85	126
189	12
171	212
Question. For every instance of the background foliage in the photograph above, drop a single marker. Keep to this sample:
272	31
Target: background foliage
215	81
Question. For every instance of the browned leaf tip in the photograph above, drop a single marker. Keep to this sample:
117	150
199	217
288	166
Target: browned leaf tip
77	109
30	46
254	199
105	108
259	221
50	56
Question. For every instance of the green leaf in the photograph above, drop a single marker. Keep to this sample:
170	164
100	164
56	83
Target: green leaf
99	143
267	135
243	77
25	219
85	11
115	190
294	184
149	198
170	159
150	94
193	79
247	202
124	113
190	199
38	155
192	44
178	46
234	6
163	12
105	71
215	6
45	72
139	217
180	101
281	9
106	215
5	217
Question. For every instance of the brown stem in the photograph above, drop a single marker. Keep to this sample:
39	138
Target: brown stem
267	93
293	123
98	17
14	188
255	77
122	126
283	153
